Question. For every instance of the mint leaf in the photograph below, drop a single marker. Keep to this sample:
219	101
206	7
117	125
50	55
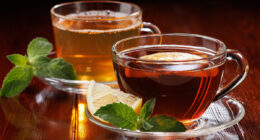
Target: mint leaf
59	68
41	71
163	123
41	64
16	81
38	47
18	59
39	60
147	109
145	126
118	114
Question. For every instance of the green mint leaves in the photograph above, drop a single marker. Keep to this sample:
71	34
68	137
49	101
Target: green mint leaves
35	64
118	114
57	68
147	110
38	47
18	59
16	80
124	117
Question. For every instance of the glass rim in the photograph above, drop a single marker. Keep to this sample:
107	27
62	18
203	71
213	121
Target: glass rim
217	55
137	13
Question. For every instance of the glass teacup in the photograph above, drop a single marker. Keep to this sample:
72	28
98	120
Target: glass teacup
85	31
183	88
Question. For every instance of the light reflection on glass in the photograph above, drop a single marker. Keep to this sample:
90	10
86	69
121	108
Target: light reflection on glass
81	108
73	125
82	121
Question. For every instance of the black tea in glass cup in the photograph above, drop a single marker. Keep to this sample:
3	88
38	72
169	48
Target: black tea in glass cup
182	71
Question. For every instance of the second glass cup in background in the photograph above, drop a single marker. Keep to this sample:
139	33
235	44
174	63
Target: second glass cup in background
85	32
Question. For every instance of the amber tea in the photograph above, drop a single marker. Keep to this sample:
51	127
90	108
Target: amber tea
183	91
87	44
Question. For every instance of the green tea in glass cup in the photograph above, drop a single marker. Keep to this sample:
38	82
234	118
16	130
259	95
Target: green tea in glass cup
85	32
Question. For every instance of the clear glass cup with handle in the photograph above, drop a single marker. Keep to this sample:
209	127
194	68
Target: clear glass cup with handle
182	71
85	31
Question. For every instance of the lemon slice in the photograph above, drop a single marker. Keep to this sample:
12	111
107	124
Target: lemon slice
185	69
99	95
171	56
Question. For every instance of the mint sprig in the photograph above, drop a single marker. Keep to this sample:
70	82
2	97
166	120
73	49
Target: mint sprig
118	114
16	81
35	63
123	116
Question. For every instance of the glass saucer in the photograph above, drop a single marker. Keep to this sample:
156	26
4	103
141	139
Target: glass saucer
72	86
220	115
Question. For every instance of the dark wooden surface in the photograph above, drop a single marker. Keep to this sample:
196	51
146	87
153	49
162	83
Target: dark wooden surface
42	112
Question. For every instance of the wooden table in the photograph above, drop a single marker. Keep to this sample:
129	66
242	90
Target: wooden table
42	112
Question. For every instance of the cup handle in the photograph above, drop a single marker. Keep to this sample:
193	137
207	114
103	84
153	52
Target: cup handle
149	28
241	61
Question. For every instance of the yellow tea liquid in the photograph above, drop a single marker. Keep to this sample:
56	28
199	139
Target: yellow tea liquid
87	43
